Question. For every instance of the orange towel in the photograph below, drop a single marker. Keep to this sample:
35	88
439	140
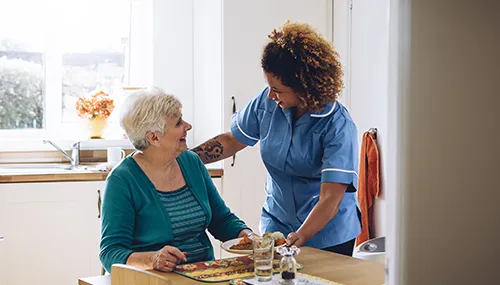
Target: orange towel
368	185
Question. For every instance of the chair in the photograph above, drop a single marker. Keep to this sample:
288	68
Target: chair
128	275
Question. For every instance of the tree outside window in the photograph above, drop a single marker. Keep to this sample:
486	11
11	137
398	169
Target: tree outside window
53	52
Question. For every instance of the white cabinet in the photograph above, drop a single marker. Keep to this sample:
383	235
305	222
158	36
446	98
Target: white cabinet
51	232
245	26
3	262
3	256
218	251
229	36
216	243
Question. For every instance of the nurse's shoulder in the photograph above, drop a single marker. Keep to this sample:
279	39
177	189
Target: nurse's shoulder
338	121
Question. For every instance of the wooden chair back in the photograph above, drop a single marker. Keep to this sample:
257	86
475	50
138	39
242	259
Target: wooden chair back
128	275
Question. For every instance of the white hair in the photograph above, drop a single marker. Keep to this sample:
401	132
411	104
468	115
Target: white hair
147	111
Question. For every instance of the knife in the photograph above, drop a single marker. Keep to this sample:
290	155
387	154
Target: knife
196	250
192	252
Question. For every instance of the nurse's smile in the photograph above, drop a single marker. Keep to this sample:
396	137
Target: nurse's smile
281	94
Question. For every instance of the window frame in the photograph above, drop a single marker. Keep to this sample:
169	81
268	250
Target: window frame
65	133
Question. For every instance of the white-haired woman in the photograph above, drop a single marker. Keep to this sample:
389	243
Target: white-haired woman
159	201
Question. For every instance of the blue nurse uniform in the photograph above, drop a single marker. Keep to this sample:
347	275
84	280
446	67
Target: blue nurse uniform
299	156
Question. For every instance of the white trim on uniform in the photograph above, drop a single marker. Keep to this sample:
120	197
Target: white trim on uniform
239	128
324	115
339	170
267	194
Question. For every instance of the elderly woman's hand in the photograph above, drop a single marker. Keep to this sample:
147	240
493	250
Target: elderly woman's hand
248	233
167	258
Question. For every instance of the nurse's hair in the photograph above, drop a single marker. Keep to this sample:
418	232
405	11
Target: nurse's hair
147	111
303	60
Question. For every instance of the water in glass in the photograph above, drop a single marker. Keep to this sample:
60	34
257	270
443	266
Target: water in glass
263	253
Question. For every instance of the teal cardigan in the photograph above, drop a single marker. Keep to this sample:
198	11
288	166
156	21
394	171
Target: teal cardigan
135	220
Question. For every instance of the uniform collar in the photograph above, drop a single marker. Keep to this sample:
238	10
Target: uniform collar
329	108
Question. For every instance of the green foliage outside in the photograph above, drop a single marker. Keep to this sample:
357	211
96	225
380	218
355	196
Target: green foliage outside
21	94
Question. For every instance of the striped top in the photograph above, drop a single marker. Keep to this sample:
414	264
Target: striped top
188	222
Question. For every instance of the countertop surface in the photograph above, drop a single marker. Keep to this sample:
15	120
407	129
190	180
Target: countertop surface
30	173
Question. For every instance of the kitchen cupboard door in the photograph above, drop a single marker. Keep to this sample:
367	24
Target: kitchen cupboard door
95	262
246	25
3	261
51	232
216	243
218	251
3	257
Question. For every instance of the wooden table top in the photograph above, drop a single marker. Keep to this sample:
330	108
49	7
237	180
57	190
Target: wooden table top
331	266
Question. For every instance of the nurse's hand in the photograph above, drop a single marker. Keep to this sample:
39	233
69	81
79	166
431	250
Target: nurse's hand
295	238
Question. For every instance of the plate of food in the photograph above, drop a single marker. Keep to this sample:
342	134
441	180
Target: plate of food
244	245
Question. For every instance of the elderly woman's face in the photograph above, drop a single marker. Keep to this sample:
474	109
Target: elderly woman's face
174	137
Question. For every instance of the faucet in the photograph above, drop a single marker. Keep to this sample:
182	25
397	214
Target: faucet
74	159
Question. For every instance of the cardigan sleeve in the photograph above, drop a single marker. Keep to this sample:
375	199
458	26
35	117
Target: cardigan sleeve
225	225
117	223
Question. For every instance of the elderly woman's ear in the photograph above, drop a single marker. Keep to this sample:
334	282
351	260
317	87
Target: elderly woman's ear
152	137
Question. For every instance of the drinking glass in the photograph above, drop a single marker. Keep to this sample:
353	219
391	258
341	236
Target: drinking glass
263	254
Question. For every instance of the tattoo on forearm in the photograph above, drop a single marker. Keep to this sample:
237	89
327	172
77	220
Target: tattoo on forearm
209	151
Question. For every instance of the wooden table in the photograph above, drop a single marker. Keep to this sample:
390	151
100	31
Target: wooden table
331	266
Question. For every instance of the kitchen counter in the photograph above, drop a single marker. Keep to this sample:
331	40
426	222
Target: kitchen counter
57	173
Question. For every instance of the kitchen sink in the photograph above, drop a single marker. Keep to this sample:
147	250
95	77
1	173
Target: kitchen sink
43	168
36	166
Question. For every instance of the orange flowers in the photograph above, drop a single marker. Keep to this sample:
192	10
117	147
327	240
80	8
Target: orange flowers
97	106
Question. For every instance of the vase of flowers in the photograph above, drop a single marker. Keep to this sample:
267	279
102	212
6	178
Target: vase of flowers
96	108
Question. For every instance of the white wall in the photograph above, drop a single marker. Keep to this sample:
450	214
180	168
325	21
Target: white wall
188	55
369	83
187	62
342	43
207	59
447	142
173	51
141	44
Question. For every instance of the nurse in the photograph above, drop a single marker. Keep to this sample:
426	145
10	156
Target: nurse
308	142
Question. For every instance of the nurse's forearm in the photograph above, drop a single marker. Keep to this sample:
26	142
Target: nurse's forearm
325	210
218	148
319	217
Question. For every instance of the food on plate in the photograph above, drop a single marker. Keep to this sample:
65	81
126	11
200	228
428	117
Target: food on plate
246	243
278	237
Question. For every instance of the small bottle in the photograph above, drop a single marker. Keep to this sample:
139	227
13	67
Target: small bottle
288	265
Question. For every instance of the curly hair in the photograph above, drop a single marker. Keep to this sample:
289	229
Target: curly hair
306	62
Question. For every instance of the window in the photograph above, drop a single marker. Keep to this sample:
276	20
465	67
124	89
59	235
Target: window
52	52
22	63
94	46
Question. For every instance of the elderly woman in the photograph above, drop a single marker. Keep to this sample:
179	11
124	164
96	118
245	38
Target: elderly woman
159	201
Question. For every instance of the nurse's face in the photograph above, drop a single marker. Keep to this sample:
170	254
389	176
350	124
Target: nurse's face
283	95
